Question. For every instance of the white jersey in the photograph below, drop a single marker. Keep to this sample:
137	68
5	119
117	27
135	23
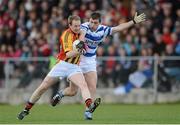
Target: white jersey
94	38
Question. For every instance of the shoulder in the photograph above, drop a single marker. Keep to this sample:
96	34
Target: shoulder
85	25
102	28
66	33
105	26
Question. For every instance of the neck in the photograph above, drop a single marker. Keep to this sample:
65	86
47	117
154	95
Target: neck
72	31
93	29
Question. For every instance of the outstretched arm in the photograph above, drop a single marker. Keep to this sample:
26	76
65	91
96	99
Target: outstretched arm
136	19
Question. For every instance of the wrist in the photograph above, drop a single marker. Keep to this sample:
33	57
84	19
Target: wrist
134	21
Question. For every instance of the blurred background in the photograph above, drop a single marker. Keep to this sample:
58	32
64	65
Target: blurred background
138	65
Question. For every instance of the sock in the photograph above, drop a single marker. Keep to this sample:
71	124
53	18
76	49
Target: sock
29	105
88	102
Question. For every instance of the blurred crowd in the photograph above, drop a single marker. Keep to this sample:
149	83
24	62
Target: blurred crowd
31	28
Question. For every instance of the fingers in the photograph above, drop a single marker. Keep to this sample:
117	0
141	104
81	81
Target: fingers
140	18
142	14
81	51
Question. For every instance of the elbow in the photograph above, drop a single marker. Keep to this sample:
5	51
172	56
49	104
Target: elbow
68	55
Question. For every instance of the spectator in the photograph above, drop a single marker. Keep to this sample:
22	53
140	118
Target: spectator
171	67
139	77
122	68
159	46
110	66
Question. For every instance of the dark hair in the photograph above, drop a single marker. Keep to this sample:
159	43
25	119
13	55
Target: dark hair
73	17
96	15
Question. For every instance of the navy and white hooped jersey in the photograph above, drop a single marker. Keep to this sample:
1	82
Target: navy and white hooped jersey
94	38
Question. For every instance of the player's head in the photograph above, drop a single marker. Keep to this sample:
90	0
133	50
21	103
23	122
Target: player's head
74	23
95	20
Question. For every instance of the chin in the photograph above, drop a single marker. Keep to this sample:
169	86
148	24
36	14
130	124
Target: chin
77	32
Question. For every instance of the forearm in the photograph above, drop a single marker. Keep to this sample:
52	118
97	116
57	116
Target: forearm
82	36
71	54
122	26
136	19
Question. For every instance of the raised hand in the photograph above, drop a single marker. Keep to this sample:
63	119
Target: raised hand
139	18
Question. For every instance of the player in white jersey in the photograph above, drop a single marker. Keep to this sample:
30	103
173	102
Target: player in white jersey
93	34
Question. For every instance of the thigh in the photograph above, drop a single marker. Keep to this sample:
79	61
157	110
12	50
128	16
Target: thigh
91	78
77	79
48	81
73	87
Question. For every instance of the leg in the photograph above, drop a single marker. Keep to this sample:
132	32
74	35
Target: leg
91	79
47	82
79	81
55	88
72	89
69	91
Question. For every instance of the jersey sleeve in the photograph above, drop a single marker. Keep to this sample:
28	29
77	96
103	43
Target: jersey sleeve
107	31
84	27
67	42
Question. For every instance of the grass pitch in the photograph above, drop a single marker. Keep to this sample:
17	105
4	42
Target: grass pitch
105	114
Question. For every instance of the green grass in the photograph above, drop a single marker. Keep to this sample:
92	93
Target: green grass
106	113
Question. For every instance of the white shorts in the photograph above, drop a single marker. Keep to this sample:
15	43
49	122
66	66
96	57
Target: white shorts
88	64
64	69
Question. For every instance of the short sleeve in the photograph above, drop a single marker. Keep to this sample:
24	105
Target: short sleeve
107	31
84	27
